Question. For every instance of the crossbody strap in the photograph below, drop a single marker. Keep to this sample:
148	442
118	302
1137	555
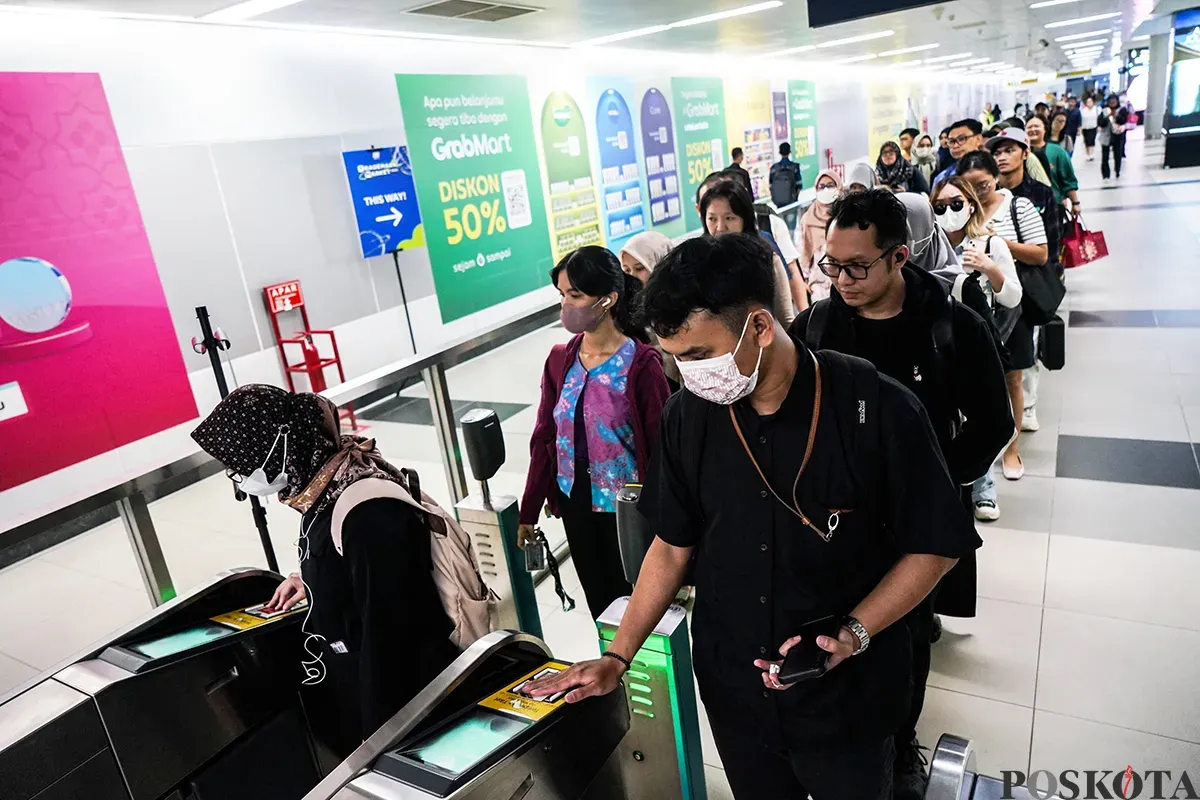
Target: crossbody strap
794	506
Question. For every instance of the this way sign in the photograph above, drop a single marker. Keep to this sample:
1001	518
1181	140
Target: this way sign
385	200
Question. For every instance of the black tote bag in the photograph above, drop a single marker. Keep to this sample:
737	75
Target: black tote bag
1041	286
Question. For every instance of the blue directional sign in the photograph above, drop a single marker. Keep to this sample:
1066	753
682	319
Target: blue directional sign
385	200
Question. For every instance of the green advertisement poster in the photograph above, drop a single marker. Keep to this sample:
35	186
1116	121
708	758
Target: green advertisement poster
574	213
802	105
475	165
699	136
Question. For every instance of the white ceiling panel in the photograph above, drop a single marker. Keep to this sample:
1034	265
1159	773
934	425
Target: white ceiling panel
1006	31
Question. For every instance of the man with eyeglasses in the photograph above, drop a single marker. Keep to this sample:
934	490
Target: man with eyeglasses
901	320
965	135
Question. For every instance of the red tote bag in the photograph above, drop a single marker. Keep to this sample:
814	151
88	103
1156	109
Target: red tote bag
1082	246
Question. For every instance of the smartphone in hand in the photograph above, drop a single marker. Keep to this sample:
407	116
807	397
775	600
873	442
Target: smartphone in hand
806	660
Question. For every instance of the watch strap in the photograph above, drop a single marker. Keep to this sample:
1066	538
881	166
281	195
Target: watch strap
860	632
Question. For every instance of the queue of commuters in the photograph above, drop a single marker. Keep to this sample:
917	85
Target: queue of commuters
828	447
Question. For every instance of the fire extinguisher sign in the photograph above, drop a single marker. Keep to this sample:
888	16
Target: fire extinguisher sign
284	296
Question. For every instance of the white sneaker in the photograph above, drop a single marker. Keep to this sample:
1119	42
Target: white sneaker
986	511
1029	421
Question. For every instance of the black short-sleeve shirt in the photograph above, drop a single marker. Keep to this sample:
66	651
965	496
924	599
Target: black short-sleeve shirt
761	572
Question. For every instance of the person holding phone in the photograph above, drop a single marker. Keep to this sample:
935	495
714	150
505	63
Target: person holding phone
754	481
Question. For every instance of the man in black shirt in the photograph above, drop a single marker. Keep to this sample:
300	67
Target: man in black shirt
804	486
900	319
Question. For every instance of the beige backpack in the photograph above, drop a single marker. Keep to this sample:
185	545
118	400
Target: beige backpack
468	601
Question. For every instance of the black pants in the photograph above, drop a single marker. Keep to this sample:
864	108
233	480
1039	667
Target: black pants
1117	146
920	627
853	772
592	536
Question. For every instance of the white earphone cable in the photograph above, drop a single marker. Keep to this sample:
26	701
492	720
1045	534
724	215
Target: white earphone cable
314	667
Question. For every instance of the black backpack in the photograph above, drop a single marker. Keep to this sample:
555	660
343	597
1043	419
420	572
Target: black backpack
944	351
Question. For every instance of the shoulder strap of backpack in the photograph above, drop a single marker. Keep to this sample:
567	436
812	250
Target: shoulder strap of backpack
1012	214
818	318
855	394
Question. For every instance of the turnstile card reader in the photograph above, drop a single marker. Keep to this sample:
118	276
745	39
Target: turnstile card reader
661	755
193	700
474	733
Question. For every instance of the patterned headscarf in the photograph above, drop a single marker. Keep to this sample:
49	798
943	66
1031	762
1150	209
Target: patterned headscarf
320	462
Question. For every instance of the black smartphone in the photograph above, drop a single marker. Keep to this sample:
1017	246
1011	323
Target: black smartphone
806	661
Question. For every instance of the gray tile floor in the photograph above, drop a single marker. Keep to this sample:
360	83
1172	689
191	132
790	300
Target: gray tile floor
1084	652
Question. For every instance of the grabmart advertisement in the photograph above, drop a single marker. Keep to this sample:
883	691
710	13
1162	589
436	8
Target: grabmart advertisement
700	133
750	123
475	165
571	192
886	110
802	105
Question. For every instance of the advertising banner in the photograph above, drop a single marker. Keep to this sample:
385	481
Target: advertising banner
622	188
89	357
779	109
700	130
802	103
750	126
385	200
475	165
662	165
570	191
886	109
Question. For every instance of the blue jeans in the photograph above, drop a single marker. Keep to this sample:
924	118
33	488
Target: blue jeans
984	488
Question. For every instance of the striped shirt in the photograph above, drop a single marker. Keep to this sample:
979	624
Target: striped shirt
1033	231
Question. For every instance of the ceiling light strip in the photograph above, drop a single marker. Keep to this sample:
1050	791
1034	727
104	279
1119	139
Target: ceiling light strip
866	37
1048	3
1081	20
954	57
683	23
919	48
247	10
1072	37
856	59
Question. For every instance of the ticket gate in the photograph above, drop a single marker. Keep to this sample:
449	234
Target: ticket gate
491	522
472	733
198	700
661	757
952	775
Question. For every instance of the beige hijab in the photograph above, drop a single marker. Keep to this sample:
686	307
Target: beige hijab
648	248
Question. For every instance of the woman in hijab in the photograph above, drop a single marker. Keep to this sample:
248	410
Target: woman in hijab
925	158
812	233
642	253
377	629
929	249
860	178
639	257
897	173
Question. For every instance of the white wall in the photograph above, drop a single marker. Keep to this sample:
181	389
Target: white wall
207	114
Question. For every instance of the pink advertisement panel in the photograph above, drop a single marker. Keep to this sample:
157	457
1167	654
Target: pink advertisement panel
88	357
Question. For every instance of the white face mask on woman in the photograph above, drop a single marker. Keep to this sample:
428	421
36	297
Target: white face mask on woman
718	380
951	220
827	196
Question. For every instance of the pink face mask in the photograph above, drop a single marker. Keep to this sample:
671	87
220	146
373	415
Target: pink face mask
583	320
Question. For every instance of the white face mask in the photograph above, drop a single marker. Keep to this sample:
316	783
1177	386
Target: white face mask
827	196
718	380
951	220
924	152
256	482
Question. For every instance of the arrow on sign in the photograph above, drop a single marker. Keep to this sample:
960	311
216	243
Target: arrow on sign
393	217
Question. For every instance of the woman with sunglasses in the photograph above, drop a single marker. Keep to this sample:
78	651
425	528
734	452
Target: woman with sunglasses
988	262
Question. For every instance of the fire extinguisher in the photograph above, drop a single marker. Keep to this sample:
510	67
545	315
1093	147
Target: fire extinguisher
312	361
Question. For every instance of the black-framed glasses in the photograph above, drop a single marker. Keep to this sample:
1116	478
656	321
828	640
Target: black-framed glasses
960	139
857	272
954	205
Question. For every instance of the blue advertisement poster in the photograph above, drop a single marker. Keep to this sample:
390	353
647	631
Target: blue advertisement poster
385	200
662	172
621	188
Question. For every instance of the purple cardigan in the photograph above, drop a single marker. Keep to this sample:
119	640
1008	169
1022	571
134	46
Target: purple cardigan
648	392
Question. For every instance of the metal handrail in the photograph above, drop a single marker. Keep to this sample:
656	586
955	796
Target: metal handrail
430	367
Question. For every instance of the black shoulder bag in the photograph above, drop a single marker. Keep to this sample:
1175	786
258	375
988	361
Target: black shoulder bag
1043	290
